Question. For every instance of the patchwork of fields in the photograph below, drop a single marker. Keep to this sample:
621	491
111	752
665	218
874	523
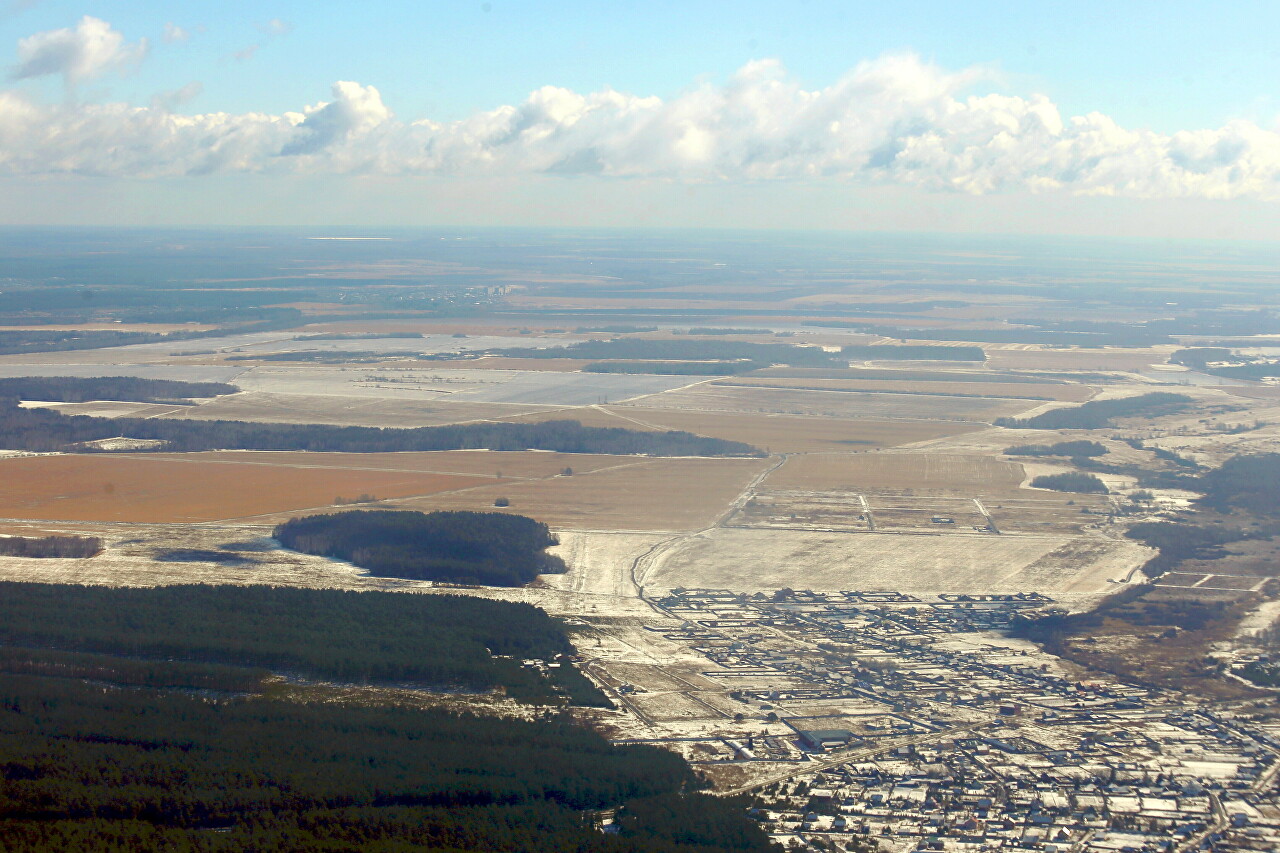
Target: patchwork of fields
879	477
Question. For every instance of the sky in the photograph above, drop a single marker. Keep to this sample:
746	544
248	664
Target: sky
1130	119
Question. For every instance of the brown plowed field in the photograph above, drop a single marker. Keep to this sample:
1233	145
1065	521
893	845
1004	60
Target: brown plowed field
513	464
659	494
140	489
875	472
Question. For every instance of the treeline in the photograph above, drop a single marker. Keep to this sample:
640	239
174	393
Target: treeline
491	548
1259	370
45	430
139	770
75	389
1085	484
1245	367
1181	541
1199	357
60	340
1061	448
375	637
1097	414
1250	482
66	547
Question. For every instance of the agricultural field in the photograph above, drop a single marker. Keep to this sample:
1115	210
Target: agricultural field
748	560
1072	359
390	411
835	404
918	473
793	433
503	465
637	495
157	555
1015	390
140	489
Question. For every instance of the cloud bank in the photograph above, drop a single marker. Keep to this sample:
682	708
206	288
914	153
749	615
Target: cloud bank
895	120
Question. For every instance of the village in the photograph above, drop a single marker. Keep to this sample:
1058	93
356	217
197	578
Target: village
899	722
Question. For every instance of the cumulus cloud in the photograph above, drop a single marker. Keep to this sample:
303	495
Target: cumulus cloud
893	120
354	110
89	49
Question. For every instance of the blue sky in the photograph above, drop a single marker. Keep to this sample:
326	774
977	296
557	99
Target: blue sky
1165	67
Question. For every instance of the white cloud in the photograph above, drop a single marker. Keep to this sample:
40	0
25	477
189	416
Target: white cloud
86	51
354	110
891	121
174	34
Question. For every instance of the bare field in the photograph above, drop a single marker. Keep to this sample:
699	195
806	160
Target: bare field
1073	359
110	409
130	560
852	511
600	563
834	404
756	560
791	433
494	464
657	494
1255	392
270	407
494	362
877	472
1046	513
139	489
1016	390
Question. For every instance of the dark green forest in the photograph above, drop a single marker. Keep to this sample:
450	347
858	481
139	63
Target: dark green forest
1071	481
131	720
85	767
45	430
75	389
492	548
449	641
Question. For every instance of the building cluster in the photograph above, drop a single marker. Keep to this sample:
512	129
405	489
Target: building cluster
887	721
